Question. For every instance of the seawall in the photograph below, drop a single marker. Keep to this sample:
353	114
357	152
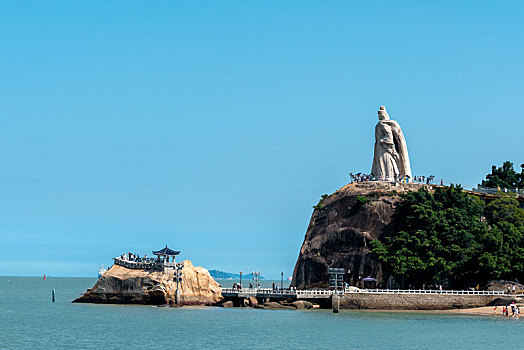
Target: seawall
413	301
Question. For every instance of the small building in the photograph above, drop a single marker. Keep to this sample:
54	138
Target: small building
164	254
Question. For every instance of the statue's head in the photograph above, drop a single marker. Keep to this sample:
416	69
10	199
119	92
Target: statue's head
382	114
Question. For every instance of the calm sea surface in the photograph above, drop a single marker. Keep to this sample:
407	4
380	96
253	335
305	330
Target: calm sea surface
29	320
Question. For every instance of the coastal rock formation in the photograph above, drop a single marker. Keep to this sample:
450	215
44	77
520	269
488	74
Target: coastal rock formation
121	285
505	286
283	305
340	230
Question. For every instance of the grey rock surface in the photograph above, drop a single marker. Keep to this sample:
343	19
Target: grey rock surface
339	233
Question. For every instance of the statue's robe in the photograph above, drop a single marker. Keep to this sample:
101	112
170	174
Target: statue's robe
391	152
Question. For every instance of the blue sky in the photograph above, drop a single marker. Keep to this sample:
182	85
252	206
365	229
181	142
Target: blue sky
215	127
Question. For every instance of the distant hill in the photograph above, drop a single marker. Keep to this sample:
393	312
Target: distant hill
226	275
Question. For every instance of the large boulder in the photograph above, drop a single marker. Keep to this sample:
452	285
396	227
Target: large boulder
341	229
273	305
120	285
302	304
502	285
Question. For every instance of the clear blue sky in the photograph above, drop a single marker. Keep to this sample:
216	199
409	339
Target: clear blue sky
215	126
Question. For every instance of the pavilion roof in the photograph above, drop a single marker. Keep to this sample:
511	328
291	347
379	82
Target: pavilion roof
166	251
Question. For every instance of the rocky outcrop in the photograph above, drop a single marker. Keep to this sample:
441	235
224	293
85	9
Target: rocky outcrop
283	305
341	229
506	286
120	285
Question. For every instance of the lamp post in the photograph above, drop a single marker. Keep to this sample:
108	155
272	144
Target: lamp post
281	280
256	278
178	270
240	279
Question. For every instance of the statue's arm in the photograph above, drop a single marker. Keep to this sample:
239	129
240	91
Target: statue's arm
387	139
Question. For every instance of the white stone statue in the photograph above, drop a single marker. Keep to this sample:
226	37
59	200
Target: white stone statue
391	152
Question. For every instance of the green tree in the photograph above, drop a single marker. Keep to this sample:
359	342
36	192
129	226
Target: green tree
432	236
501	253
504	177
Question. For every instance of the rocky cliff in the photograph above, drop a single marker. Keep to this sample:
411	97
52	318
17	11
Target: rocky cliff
340	230
120	285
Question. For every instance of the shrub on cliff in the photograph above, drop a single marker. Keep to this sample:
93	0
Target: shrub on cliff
363	200
433	235
321	201
502	246
449	233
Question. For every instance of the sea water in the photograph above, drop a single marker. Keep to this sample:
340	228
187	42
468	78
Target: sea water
30	320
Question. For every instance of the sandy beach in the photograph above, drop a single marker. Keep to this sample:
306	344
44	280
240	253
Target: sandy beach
478	311
484	310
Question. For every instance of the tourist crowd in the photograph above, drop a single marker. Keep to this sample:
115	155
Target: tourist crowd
274	287
515	310
238	286
361	177
428	180
136	258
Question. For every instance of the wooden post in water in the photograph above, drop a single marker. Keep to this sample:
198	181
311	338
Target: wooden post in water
53	296
335	303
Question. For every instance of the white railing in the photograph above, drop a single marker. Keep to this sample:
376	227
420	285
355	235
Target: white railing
319	293
489	190
133	264
428	291
315	292
257	291
148	264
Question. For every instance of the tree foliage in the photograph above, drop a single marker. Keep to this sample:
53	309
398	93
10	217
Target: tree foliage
502	246
451	234
504	177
